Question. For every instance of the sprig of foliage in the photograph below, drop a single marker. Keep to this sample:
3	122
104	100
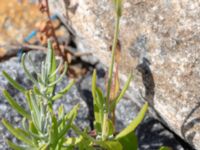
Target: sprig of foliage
106	138
41	127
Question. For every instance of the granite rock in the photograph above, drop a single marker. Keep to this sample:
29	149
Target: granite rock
160	44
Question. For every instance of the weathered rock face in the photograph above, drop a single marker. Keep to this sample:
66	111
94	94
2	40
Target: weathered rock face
160	43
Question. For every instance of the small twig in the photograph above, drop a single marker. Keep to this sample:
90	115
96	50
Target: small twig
53	30
45	8
79	54
28	47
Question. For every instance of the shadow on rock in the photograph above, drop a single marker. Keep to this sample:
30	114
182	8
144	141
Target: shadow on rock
148	80
84	87
152	135
188	124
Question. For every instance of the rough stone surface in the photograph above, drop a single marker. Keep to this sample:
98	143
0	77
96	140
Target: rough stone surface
160	43
14	69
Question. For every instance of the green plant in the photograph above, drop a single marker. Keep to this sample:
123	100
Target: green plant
42	128
105	105
105	136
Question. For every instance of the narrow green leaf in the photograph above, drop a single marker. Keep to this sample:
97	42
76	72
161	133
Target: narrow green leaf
51	67
99	109
113	145
100	98
73	112
34	104
17	107
32	64
33	134
70	117
43	77
96	103
28	99
131	127
165	148
37	91
94	76
35	111
116	101
50	59
124	89
54	130
72	141
111	127
57	69
17	133
44	147
32	128
59	145
129	142
28	74
60	78
64	91
61	112
37	137
13	82
15	146
65	128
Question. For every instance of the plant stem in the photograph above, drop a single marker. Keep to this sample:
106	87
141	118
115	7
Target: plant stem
107	111
104	126
114	45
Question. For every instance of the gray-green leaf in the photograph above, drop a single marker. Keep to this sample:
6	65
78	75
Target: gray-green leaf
131	127
17	107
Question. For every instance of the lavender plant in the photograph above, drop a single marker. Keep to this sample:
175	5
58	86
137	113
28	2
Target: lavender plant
41	128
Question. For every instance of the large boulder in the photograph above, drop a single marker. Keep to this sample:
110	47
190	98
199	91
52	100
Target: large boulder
160	44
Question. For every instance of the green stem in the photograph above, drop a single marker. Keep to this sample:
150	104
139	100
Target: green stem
104	126
114	45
